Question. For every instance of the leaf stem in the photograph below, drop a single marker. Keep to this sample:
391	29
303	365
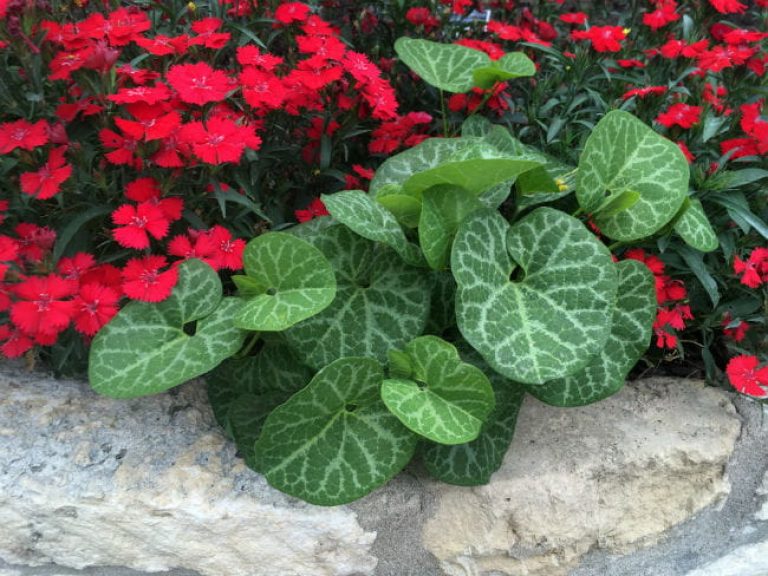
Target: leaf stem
442	110
248	347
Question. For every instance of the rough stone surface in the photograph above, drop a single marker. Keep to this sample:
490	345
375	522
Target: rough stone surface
115	487
150	484
612	475
750	560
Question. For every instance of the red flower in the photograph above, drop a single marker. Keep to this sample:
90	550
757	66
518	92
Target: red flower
199	83
34	241
143	280
603	38
150	124
41	309
744	375
136	223
147	94
681	115
262	89
22	134
123	148
493	50
250	55
94	306
45	183
162	45
735	330
422	17
148	190
316	208
643	92
219	140
73	268
577	18
227	252
665	13
289	12
728	6
753	271
15	342
208	34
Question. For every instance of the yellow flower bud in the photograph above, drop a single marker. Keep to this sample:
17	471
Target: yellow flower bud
627	31
191	6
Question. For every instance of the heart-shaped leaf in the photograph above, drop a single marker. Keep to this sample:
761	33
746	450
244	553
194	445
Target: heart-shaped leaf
406	209
297	282
473	463
547	319
475	176
693	226
623	154
274	369
428	154
356	210
445	399
144	349
628	340
446	66
443	209
381	303
509	66
442	312
334	441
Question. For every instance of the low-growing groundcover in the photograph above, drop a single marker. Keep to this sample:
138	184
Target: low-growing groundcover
414	326
513	252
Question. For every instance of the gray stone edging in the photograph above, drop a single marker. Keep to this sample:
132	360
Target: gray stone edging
662	479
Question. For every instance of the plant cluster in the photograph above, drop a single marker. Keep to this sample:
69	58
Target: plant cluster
694	70
415	318
528	231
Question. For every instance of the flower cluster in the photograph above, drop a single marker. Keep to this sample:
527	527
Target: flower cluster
149	111
671	295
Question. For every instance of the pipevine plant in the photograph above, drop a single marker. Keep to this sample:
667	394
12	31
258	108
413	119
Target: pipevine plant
416	317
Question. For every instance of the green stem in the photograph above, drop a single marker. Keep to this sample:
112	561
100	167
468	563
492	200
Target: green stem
248	347
445	118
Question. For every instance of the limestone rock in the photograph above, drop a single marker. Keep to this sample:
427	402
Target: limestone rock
748	560
150	484
612	475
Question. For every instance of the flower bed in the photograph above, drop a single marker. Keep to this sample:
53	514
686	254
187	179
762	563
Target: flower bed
157	155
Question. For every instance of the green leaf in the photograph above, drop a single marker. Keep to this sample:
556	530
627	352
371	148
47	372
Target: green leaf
693	226
695	262
536	181
509	66
381	303
476	126
298	282
246	416
65	235
356	210
430	153
738	208
445	400
629	338
444	207
406	209
144	349
442	313
535	299
473	463
618	203
448	67
623	154
334	441
275	370
475	175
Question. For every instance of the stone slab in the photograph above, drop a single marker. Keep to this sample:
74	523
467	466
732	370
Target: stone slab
152	484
